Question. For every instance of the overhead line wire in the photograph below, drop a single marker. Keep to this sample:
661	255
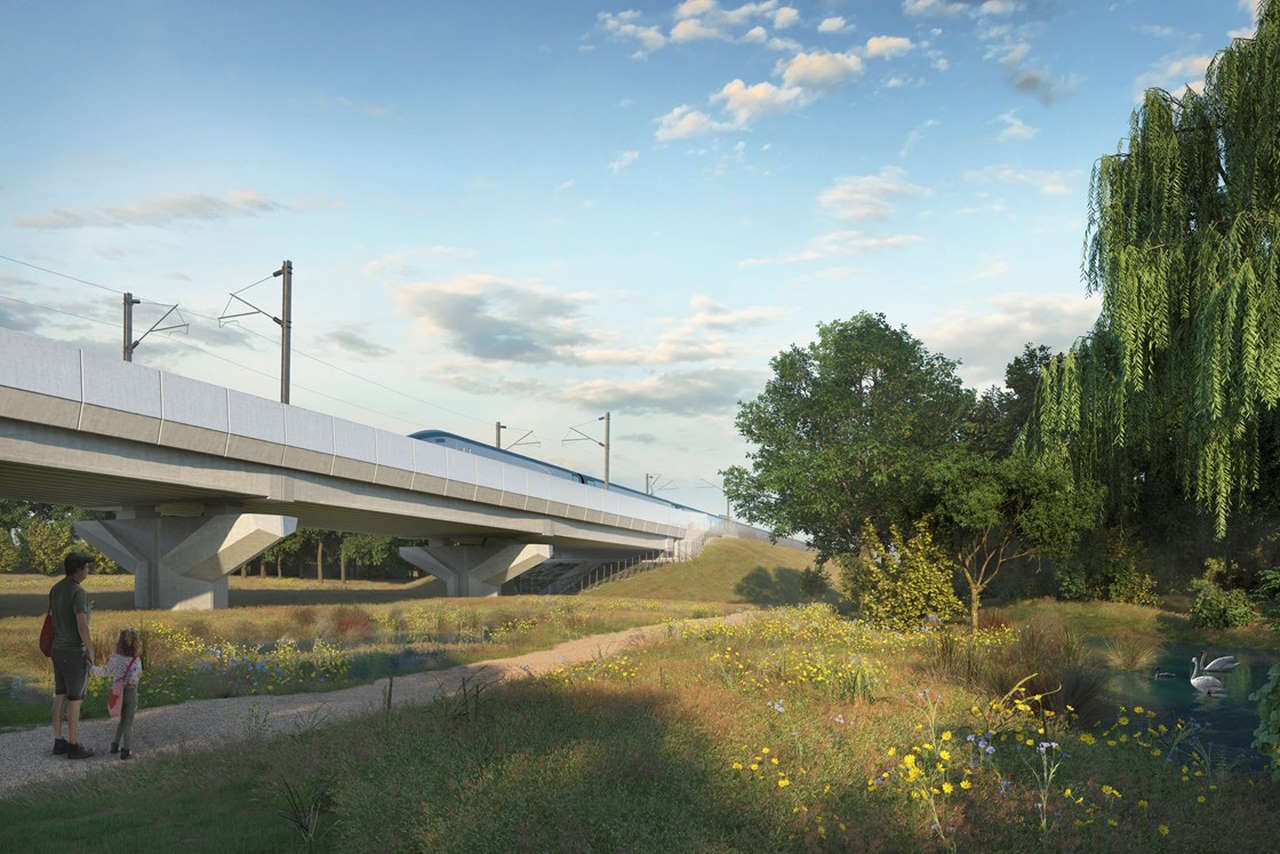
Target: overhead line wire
63	275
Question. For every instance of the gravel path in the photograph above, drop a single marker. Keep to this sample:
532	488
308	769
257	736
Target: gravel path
26	758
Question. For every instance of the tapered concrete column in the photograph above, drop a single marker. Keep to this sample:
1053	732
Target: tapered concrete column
476	570
183	563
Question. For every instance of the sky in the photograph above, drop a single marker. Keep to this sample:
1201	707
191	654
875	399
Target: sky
540	212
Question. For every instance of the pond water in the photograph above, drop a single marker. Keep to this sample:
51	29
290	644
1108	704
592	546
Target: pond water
1227	720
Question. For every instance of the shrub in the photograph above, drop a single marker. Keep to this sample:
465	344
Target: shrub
899	585
1215	608
1070	581
1266	738
1135	588
813	583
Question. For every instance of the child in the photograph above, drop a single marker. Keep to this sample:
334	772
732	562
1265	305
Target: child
125	667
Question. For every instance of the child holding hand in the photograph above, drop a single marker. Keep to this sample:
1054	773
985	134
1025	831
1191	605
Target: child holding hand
126	669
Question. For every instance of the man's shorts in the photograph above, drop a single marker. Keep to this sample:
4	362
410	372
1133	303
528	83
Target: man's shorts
70	671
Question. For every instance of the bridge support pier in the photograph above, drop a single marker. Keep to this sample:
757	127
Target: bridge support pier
182	563
475	569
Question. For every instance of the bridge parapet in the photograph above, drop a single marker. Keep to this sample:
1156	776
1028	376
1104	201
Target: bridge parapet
62	386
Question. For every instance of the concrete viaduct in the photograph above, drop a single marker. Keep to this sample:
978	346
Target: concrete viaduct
200	478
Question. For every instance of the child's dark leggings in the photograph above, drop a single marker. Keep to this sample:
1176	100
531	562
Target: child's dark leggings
128	705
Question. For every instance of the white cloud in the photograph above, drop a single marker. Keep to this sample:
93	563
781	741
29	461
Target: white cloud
1049	182
698	392
859	197
164	210
692	8
756	35
623	26
997	7
1158	31
1174	74
993	269
916	134
985	341
836	244
887	46
1015	128
684	121
697	336
692	29
834	24
747	103
564	185
818	69
410	262
923	8
492	318
622	161
785	17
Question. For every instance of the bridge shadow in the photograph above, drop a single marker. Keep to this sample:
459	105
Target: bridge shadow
762	586
544	768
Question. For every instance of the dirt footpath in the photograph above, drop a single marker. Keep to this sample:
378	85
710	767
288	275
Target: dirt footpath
26	757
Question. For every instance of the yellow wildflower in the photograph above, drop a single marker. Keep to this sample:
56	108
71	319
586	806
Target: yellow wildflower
1164	830
947	788
965	784
1142	805
1199	799
944	755
737	766
893	751
946	736
783	783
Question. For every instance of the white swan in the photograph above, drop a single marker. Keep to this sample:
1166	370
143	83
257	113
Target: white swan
1222	664
1205	684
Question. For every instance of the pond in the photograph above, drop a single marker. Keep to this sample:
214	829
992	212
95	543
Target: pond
1227	720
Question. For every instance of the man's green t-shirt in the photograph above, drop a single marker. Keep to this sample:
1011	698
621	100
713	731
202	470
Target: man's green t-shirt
67	599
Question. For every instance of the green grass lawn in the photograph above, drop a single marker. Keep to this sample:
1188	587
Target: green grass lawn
727	570
753	738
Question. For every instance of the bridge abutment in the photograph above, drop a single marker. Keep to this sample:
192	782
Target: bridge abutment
476	569
182	563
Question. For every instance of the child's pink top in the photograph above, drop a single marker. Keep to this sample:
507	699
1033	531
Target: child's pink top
116	666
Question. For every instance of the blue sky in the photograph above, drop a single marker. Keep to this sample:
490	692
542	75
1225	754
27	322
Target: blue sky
537	212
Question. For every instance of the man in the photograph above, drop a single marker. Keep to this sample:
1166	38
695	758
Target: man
72	653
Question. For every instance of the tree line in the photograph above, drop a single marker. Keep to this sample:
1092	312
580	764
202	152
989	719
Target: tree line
1146	454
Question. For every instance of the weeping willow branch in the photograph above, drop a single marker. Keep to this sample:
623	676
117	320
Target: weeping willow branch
1183	243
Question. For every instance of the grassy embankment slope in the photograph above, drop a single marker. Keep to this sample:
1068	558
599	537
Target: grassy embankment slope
727	570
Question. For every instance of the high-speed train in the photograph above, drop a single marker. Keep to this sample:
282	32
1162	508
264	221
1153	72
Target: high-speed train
461	443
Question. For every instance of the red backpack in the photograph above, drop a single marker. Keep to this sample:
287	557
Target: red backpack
46	633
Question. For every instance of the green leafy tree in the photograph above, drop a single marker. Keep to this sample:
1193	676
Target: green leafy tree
1002	413
1179	380
898	585
997	511
842	431
46	543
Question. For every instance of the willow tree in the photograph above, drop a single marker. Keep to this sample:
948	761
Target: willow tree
1181	375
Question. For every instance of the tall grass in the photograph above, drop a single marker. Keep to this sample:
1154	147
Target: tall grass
1130	651
1066	672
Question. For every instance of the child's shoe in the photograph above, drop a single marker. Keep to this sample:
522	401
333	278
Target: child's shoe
115	747
59	746
125	755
